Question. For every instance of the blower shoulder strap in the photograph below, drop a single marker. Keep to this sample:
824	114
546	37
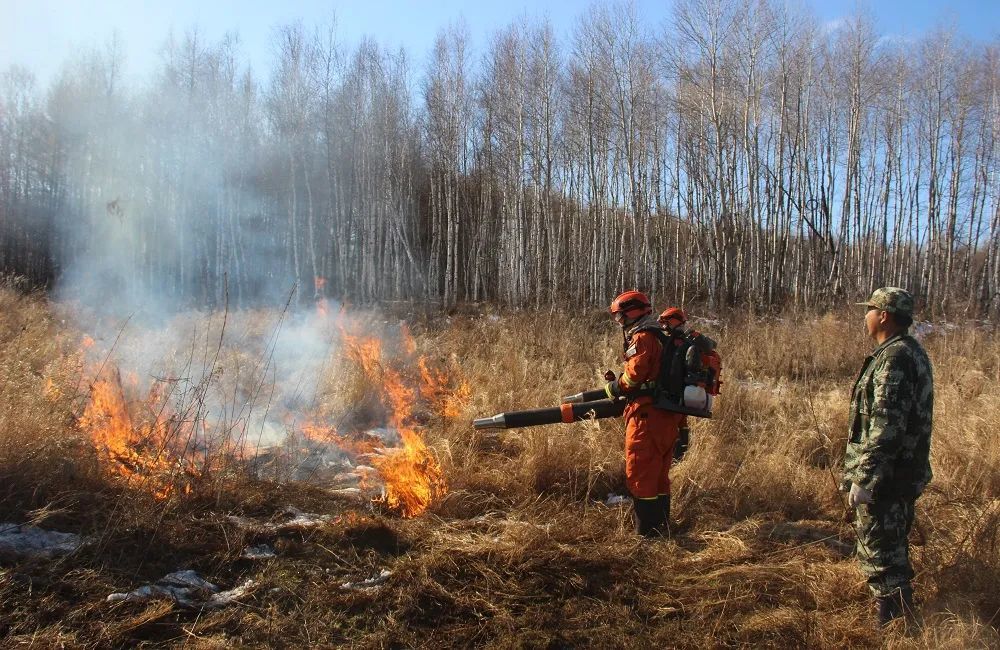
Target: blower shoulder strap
672	364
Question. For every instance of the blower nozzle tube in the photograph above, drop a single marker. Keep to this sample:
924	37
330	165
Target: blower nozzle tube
565	413
585	396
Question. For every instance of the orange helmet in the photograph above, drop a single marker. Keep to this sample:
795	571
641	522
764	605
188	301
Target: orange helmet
631	304
673	317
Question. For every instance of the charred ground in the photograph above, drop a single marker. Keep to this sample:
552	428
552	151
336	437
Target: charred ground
521	551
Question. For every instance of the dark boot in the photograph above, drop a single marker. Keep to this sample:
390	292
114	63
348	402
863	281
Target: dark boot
648	517
898	603
663	503
888	609
681	446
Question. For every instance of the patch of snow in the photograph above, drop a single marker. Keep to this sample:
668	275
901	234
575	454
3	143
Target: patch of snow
297	521
186	588
259	552
31	541
370	583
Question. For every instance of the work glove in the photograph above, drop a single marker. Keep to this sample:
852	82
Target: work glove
612	389
858	495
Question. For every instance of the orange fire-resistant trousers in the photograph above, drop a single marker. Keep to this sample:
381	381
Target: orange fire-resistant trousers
650	434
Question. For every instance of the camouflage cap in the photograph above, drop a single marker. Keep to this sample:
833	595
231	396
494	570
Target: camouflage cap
891	299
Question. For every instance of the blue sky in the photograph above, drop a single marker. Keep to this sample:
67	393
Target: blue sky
41	34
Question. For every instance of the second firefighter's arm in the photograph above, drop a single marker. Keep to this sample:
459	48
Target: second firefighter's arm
640	365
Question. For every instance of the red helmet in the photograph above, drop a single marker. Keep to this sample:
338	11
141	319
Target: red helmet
673	317
631	304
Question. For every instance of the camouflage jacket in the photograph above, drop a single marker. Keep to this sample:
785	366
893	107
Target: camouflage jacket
892	405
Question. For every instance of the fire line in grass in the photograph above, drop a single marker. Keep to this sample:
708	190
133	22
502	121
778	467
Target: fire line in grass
141	441
411	474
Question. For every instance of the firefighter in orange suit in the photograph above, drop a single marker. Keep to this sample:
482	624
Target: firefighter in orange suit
650	432
672	320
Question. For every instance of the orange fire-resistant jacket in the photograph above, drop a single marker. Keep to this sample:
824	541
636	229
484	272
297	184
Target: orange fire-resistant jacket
642	359
650	433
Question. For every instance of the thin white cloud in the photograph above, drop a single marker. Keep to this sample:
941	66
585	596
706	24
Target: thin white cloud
901	40
833	25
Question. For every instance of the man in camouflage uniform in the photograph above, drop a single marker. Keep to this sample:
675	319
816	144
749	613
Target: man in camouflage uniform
887	463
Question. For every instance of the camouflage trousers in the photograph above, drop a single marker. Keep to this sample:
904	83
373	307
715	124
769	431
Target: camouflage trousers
883	549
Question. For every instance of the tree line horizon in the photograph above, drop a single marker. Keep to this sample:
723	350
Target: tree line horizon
741	154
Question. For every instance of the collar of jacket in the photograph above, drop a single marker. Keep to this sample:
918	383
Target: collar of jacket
645	321
889	341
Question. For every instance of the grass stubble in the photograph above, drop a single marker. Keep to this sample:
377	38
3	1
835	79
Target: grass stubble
522	552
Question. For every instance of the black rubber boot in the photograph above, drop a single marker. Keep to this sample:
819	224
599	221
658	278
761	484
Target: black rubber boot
888	609
648	517
663	503
898	603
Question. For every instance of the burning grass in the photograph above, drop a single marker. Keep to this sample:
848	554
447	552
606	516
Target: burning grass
515	546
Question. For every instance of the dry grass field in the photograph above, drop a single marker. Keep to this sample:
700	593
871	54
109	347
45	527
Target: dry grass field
520	550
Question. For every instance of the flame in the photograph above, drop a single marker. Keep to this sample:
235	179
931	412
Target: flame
356	445
141	441
411	475
454	408
137	444
409	344
413	478
448	395
125	451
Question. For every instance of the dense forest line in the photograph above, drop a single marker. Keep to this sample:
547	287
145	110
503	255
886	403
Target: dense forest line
742	153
